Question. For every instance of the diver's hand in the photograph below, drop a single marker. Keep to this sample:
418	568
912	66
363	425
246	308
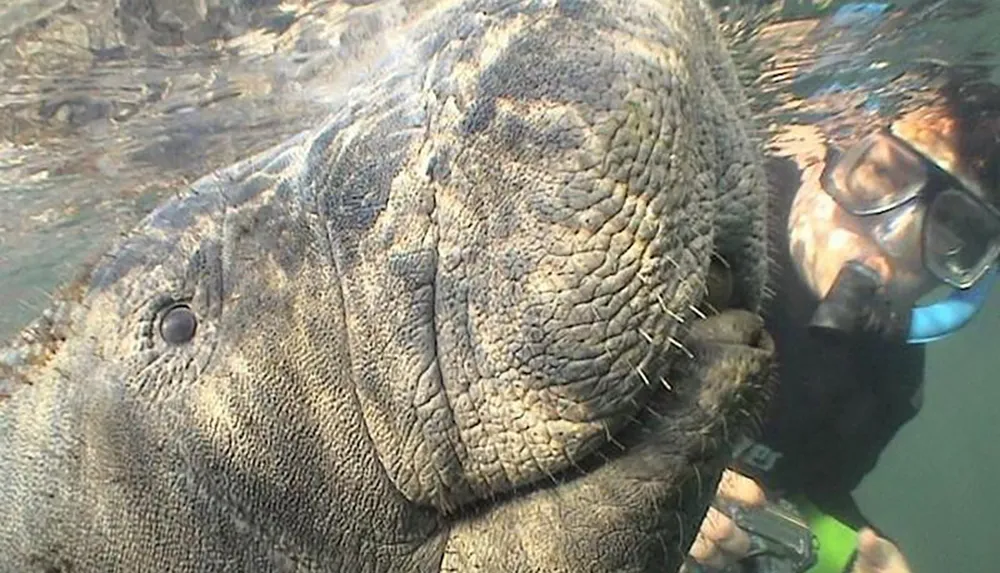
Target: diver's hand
720	542
878	555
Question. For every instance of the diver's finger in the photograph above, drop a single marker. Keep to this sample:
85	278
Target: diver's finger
740	489
724	534
706	554
877	555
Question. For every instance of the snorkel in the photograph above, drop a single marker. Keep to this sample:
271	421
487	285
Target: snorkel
896	216
940	319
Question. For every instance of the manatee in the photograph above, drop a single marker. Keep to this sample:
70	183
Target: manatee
471	321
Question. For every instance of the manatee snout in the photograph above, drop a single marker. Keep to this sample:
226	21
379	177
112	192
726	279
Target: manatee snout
601	198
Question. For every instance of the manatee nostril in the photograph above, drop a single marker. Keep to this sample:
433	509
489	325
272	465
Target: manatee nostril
720	284
178	324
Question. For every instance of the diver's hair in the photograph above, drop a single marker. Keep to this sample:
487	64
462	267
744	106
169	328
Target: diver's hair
974	103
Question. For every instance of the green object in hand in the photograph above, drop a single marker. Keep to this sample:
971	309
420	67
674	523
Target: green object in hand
836	541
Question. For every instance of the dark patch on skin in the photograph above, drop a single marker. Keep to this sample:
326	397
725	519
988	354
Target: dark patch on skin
275	234
207	196
204	276
505	9
580	9
513	133
286	191
353	182
505	221
147	244
514	265
360	184
517	135
316	158
457	41
469	32
244	182
439	166
555	66
416	268
277	167
480	116
466	29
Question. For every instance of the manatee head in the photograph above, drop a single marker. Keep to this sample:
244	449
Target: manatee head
477	277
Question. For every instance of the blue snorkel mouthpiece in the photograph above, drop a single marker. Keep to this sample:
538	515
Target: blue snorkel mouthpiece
940	319
855	305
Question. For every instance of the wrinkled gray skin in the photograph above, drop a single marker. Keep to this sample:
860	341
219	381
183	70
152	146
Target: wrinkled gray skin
453	328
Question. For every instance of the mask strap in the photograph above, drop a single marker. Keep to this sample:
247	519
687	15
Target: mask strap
940	319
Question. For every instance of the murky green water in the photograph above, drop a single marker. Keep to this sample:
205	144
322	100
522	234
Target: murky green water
102	114
935	489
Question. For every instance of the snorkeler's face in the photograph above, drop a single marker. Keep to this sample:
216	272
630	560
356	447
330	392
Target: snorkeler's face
823	237
883	204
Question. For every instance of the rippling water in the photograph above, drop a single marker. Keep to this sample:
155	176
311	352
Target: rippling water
107	106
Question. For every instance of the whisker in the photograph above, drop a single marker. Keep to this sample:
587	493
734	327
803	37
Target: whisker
666	384
680	533
642	375
653	412
678	344
611	438
575	465
670	313
697	476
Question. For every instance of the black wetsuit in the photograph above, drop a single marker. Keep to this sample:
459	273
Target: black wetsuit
838	404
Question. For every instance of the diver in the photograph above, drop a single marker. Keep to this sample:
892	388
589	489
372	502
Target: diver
876	230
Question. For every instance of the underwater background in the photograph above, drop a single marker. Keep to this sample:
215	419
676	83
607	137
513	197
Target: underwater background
935	490
100	120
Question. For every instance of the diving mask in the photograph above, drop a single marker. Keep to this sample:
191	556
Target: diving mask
882	227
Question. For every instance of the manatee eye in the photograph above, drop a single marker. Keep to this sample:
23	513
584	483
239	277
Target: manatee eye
178	324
